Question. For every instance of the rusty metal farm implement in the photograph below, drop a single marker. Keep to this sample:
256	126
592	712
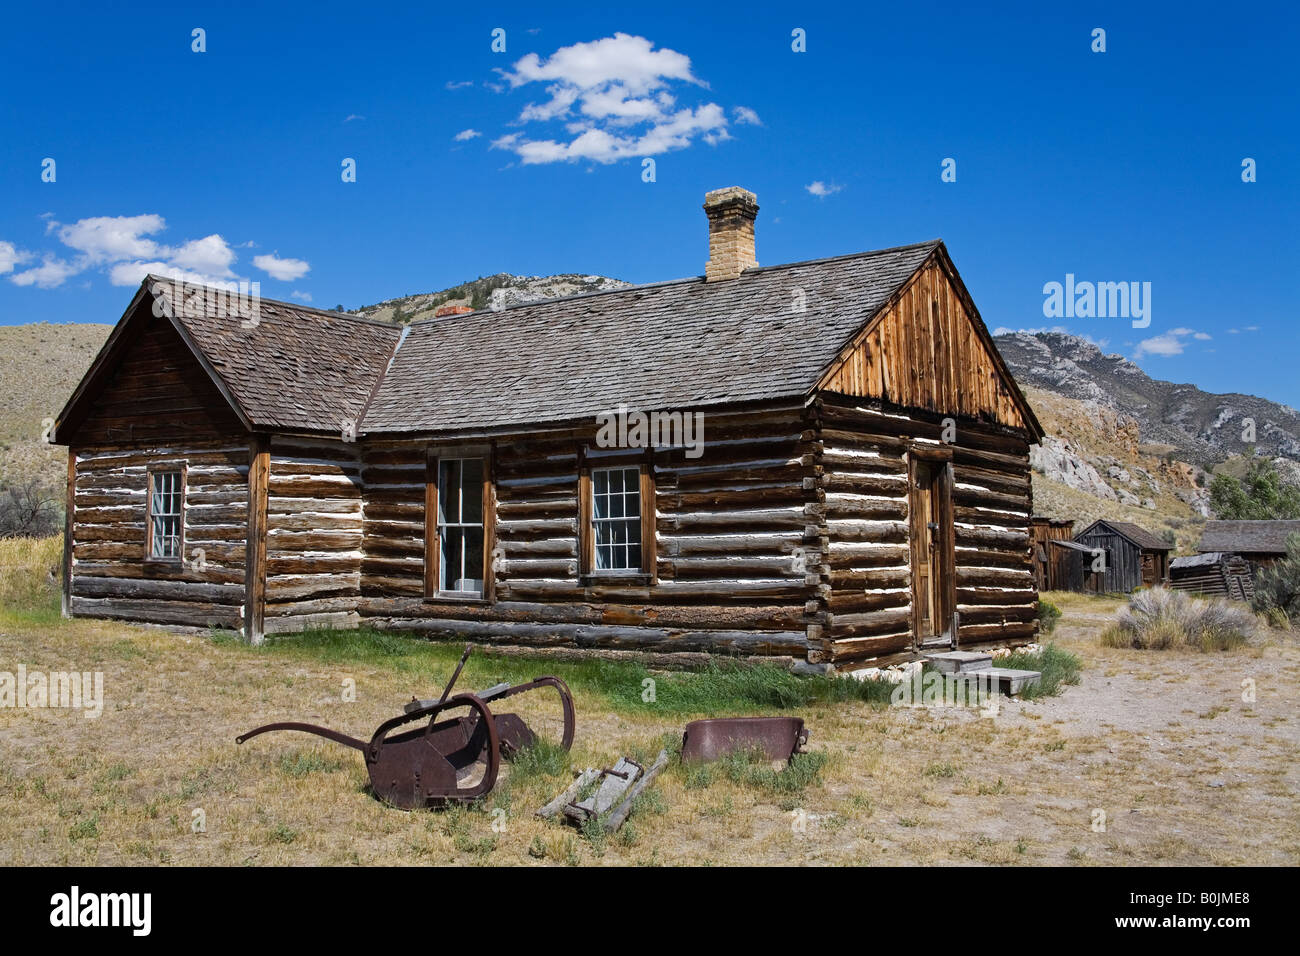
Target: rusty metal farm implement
439	761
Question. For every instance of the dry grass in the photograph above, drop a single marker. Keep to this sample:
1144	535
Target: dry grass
891	785
29	573
1161	618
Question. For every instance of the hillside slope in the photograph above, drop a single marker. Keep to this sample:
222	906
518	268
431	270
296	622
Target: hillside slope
40	365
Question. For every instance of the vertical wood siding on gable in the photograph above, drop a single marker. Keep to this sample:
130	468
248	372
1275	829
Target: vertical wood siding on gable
159	393
924	352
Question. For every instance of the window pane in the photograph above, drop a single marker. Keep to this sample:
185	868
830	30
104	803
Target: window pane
450	566
471	500
472	579
448	491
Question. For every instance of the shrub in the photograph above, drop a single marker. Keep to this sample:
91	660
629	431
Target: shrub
1158	618
28	509
1048	615
1277	587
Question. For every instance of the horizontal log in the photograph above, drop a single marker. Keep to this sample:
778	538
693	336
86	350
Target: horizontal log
188	613
776	643
211	574
174	590
977	633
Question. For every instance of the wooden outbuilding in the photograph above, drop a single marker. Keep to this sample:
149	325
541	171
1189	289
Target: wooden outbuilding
825	462
1051	572
1134	557
1259	542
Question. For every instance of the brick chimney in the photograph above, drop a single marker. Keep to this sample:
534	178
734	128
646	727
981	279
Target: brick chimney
731	213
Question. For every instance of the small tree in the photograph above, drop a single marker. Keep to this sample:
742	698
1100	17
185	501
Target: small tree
1262	495
28	510
1277	586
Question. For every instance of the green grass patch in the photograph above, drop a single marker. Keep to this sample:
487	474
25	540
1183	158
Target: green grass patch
752	768
723	688
1058	667
301	763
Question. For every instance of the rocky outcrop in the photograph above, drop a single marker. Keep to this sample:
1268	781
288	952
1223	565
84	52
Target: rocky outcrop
1198	427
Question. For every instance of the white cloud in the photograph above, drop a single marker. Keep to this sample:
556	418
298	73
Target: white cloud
11	256
286	270
614	98
745	116
352	117
821	190
453	85
466	135
112	238
300	296
50	274
210	255
1173	342
123	248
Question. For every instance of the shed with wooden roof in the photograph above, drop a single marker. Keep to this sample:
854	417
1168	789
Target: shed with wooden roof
1259	542
1131	556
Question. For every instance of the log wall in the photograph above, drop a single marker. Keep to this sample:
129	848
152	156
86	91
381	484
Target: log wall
861	485
732	547
110	576
314	534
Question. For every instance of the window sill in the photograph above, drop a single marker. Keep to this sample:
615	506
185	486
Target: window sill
454	597
165	562
624	578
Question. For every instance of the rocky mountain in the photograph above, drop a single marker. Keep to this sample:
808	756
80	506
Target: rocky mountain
490	292
1180	421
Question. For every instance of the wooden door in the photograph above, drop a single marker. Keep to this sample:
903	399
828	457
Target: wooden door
933	594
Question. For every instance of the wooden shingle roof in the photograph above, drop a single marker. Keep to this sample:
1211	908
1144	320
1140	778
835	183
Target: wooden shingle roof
688	344
1250	537
294	368
769	335
1140	536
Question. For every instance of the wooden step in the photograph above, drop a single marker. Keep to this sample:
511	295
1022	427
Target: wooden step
1011	681
960	662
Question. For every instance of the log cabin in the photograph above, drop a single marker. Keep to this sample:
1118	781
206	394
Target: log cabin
858	491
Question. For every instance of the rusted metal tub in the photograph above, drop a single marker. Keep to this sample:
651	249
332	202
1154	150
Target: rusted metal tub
779	738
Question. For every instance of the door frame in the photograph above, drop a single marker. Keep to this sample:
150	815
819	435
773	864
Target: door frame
943	565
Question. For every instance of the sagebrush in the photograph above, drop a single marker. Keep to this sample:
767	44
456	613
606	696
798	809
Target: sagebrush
1159	619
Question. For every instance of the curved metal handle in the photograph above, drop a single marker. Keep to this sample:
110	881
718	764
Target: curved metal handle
325	732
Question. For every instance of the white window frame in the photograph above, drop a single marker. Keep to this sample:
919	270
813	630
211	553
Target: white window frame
634	515
173	494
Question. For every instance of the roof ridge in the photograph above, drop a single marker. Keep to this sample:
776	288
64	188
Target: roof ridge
637	287
289	305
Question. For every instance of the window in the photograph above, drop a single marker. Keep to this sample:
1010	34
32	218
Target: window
616	518
166	515
460	538
617	521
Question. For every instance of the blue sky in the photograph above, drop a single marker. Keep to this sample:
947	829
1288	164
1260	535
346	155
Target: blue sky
1117	166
